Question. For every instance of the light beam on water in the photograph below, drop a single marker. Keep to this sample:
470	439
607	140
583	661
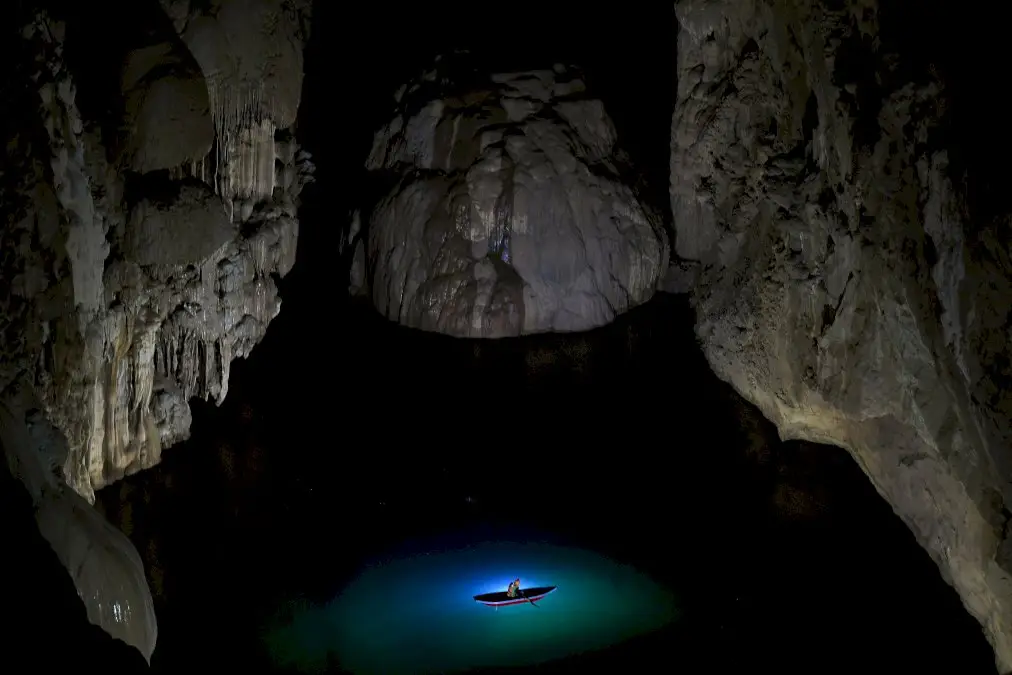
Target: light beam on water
417	614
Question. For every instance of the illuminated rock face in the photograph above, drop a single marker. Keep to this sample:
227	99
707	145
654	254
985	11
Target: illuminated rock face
842	287
164	288
101	561
511	214
251	56
140	263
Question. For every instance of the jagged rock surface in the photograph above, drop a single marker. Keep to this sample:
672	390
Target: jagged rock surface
840	287
510	214
129	293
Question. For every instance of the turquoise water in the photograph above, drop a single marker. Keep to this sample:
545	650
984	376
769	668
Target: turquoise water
415	614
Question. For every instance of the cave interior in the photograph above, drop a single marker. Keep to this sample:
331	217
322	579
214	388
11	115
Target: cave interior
344	435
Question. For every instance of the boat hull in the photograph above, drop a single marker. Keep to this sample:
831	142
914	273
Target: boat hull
501	599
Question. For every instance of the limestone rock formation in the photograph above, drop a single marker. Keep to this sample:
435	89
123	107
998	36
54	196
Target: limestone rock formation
166	281
103	564
137	265
509	214
166	119
152	231
45	619
250	52
840	286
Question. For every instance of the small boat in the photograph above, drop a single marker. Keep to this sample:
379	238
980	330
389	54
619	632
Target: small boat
501	599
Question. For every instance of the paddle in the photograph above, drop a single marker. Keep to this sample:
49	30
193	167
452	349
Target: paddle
524	593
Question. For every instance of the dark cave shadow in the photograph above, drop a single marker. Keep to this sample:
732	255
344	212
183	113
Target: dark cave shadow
950	46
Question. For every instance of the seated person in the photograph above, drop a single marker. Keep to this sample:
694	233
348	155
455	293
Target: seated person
514	589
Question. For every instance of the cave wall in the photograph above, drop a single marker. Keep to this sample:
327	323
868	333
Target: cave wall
150	190
841	284
136	277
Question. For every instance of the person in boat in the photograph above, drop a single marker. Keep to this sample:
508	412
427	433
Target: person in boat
514	589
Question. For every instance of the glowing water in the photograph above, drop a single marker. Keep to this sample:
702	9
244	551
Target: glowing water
417	615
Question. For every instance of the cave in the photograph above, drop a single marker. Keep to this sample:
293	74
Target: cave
321	325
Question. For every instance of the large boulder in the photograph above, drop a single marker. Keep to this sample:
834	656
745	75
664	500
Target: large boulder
189	227
166	114
511	212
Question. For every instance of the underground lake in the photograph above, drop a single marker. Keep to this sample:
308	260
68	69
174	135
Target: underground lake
414	613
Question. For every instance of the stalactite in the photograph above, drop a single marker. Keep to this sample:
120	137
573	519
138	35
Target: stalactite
250	161
201	169
244	151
